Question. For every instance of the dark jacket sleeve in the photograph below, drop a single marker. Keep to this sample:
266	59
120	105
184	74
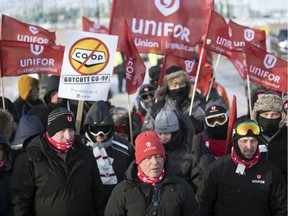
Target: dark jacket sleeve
22	186
116	204
278	195
207	193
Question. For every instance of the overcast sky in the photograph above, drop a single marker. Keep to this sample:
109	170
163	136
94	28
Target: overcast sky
261	4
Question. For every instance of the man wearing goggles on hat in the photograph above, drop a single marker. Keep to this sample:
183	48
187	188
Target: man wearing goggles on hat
112	153
243	182
216	125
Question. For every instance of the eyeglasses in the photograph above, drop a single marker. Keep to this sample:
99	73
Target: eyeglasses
146	96
216	119
122	128
243	128
97	130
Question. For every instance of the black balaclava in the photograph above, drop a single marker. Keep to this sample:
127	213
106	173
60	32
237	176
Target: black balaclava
269	126
219	132
179	94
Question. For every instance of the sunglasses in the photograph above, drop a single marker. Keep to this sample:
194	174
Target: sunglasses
146	96
244	128
216	119
97	130
122	128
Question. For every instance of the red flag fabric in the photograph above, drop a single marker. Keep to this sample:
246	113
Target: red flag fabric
91	26
242	34
20	58
239	62
224	38
232	121
266	69
218	35
190	66
157	25
135	67
15	30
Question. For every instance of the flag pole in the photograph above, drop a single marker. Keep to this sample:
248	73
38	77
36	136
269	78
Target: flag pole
130	121
196	80
213	76
249	94
2	92
79	115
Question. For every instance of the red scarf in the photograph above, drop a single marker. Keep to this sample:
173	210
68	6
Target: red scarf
247	164
147	180
59	147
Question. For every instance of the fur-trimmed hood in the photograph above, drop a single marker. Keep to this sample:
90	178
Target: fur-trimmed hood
179	77
6	125
268	102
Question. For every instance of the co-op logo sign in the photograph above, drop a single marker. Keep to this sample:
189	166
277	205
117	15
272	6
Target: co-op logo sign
89	56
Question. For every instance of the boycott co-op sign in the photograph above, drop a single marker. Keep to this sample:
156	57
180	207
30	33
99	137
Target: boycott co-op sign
87	66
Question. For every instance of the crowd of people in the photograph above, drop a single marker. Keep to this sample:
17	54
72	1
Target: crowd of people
172	163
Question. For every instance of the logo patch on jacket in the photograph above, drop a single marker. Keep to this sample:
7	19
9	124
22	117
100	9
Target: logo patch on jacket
258	180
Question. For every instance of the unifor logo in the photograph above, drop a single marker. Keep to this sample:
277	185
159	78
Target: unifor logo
36	49
249	34
269	61
189	65
33	29
230	32
167	7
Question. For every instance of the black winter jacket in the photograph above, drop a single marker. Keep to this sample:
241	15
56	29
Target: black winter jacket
261	191
132	197
44	184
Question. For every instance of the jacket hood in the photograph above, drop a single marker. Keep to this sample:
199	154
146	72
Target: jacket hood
52	85
99	114
268	102
6	125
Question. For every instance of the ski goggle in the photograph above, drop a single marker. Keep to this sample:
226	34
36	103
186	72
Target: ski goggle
218	118
243	128
97	130
146	96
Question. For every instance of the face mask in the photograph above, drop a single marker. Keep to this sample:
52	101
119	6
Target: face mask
179	94
269	126
218	132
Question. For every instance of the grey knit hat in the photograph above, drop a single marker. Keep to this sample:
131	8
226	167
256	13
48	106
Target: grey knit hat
265	103
166	122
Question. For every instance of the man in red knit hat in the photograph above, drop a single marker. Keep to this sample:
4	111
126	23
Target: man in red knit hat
147	181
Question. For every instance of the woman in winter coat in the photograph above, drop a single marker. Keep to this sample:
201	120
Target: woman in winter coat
148	189
6	162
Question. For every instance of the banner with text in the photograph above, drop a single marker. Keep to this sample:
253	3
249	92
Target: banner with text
266	69
20	58
87	66
158	26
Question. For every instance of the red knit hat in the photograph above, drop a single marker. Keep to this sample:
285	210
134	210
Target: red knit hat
147	144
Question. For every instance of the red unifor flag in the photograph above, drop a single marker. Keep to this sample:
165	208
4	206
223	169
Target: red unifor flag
18	58
239	62
135	67
242	34
15	30
218	37
157	26
190	66
91	26
266	69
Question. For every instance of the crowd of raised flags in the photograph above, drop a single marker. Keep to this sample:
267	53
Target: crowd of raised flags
27	49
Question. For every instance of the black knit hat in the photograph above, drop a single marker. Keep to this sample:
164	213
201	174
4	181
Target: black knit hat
59	119
214	110
172	69
154	72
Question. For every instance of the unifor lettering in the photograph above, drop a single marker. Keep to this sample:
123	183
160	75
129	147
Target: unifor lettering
151	27
36	61
224	42
264	74
32	39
